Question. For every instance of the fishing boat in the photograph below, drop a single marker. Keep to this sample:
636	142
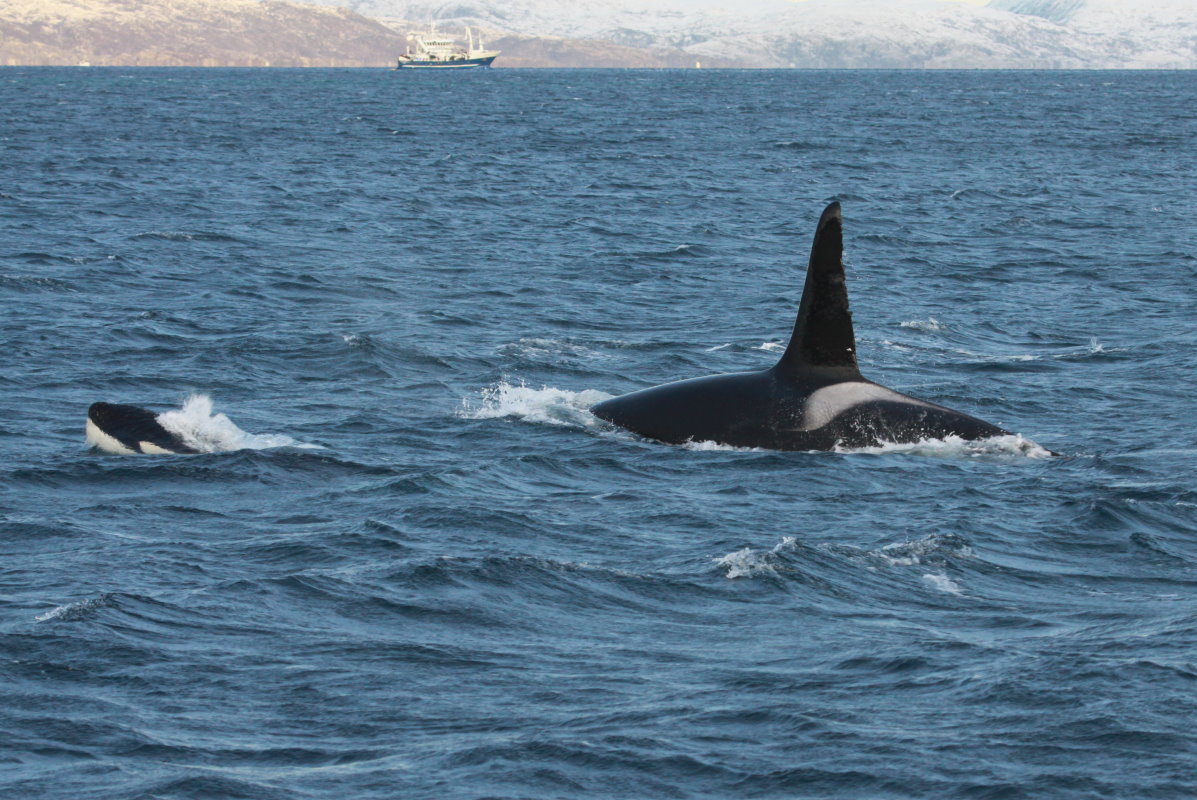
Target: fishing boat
436	51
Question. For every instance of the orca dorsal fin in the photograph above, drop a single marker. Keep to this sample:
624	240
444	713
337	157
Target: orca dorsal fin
823	335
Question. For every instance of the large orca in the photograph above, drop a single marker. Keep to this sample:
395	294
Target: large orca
814	398
124	430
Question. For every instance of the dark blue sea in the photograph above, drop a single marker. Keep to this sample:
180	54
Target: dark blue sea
412	565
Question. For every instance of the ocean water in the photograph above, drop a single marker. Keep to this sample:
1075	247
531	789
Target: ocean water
412	565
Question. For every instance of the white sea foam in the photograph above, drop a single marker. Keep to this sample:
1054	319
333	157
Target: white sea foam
1012	445
206	432
1094	347
929	551
545	405
768	347
919	551
998	358
710	447
536	347
943	583
750	563
74	611
929	324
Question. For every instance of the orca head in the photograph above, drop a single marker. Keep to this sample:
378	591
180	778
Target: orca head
125	429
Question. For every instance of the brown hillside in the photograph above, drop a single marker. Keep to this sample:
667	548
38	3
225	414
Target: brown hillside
191	33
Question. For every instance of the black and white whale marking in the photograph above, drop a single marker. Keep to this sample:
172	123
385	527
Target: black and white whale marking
125	430
813	399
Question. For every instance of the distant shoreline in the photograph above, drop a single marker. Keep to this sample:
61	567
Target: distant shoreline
615	69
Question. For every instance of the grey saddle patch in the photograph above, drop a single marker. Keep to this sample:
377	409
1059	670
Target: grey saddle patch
827	403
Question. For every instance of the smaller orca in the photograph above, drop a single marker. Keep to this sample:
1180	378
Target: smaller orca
814	398
125	430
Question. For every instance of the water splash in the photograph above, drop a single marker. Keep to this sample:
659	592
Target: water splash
546	405
1010	446
206	432
711	447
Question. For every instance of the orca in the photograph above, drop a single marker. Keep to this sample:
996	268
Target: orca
814	398
125	430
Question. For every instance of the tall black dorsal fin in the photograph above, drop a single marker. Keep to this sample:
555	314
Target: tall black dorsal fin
823	335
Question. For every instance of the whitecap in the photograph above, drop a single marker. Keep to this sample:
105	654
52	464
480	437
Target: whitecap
914	553
1094	348
70	612
749	563
206	432
943	583
537	347
997	359
929	324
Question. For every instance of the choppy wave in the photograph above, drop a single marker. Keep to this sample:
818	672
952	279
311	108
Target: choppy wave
791	559
80	609
504	596
920	551
748	562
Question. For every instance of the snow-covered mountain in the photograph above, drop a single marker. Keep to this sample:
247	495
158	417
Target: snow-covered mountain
1135	33
848	33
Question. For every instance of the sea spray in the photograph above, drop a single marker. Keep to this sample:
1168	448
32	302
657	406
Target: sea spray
206	432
